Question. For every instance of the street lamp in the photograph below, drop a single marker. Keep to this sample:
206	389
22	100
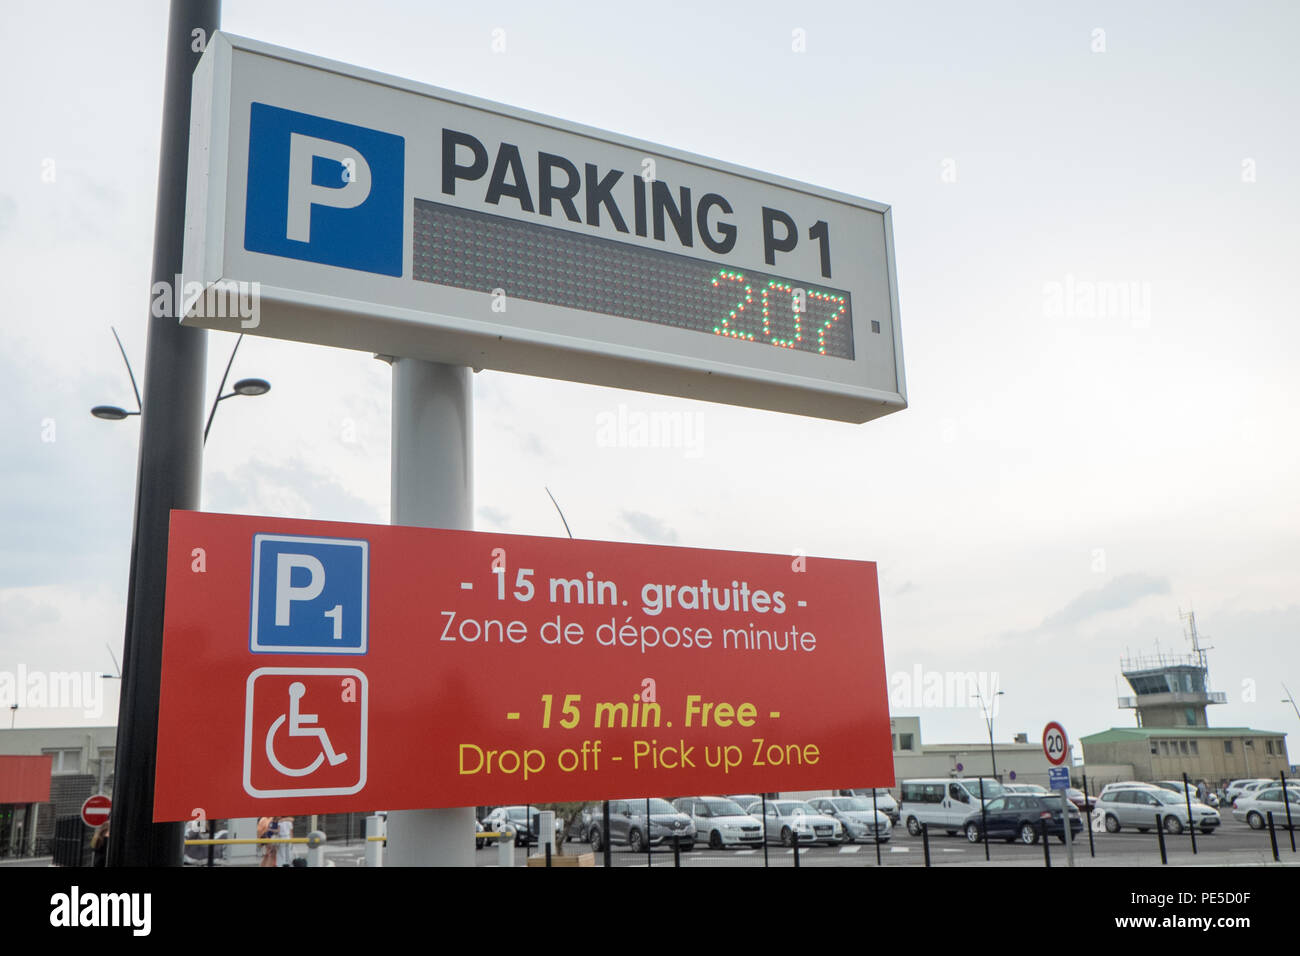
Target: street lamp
988	719
245	386
1289	699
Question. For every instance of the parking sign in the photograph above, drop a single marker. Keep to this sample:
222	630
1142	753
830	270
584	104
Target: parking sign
309	595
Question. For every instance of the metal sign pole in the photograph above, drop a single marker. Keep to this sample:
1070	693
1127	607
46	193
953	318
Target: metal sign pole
170	465
432	487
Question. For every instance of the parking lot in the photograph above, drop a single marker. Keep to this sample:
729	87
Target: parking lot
1233	844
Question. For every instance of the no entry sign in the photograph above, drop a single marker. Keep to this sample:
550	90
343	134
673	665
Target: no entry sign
321	667
96	810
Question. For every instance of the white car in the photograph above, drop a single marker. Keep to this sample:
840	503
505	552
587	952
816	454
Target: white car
788	818
1255	806
1032	789
1237	787
720	822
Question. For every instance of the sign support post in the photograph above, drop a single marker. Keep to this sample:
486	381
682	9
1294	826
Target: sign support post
432	487
169	471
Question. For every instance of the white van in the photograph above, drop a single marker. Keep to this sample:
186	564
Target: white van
943	802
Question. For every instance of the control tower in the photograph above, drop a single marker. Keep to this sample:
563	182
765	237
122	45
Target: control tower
1171	690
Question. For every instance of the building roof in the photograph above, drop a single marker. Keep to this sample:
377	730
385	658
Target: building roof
1119	734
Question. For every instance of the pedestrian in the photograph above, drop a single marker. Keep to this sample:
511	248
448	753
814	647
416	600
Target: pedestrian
267	828
1202	792
286	833
99	845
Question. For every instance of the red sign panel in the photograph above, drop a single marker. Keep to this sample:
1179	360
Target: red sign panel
25	779
312	666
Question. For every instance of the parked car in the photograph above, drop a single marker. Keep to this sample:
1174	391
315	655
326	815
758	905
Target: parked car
627	825
885	801
1081	802
1254	807
1138	805
1019	816
1237	787
515	819
788	818
943	802
721	822
1030	788
857	818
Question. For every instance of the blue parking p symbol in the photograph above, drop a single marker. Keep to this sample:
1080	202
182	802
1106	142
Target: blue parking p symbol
309	595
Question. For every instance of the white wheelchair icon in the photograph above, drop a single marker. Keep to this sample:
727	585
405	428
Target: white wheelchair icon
301	725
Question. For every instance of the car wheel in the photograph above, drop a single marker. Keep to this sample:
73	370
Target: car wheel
596	845
1173	825
913	826
973	832
1112	823
635	841
1028	834
787	836
1255	820
715	840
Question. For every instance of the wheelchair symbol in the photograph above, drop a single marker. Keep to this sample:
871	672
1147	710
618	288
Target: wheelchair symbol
291	753
299	727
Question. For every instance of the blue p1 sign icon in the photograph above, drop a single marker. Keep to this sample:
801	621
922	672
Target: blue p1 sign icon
309	595
324	191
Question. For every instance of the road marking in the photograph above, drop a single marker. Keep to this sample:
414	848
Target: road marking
850	849
745	852
900	849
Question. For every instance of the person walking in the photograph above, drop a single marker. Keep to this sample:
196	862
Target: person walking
267	828
285	829
99	845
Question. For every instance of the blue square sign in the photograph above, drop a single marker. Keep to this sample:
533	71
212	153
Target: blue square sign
309	595
1058	778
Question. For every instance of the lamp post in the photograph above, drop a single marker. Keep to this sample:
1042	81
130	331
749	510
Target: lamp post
245	386
988	720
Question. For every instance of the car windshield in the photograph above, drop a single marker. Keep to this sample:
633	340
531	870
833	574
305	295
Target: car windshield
792	807
724	808
1164	796
851	803
657	805
991	788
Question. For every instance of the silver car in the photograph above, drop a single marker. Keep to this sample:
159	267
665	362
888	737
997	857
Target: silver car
1138	806
1255	806
721	822
786	818
857	818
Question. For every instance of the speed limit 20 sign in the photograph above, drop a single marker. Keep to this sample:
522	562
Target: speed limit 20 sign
1055	744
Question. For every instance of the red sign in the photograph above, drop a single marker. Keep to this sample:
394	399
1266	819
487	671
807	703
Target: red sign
312	666
25	779
95	810
1055	745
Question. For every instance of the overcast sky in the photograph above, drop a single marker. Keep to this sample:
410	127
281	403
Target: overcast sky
1067	476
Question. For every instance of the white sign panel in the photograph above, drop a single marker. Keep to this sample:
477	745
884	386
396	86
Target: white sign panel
378	214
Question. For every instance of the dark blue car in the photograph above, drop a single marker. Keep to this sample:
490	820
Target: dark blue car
1019	816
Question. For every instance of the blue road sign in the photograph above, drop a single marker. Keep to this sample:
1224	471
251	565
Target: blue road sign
1058	778
309	595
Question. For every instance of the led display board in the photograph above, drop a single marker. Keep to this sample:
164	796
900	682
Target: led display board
349	208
